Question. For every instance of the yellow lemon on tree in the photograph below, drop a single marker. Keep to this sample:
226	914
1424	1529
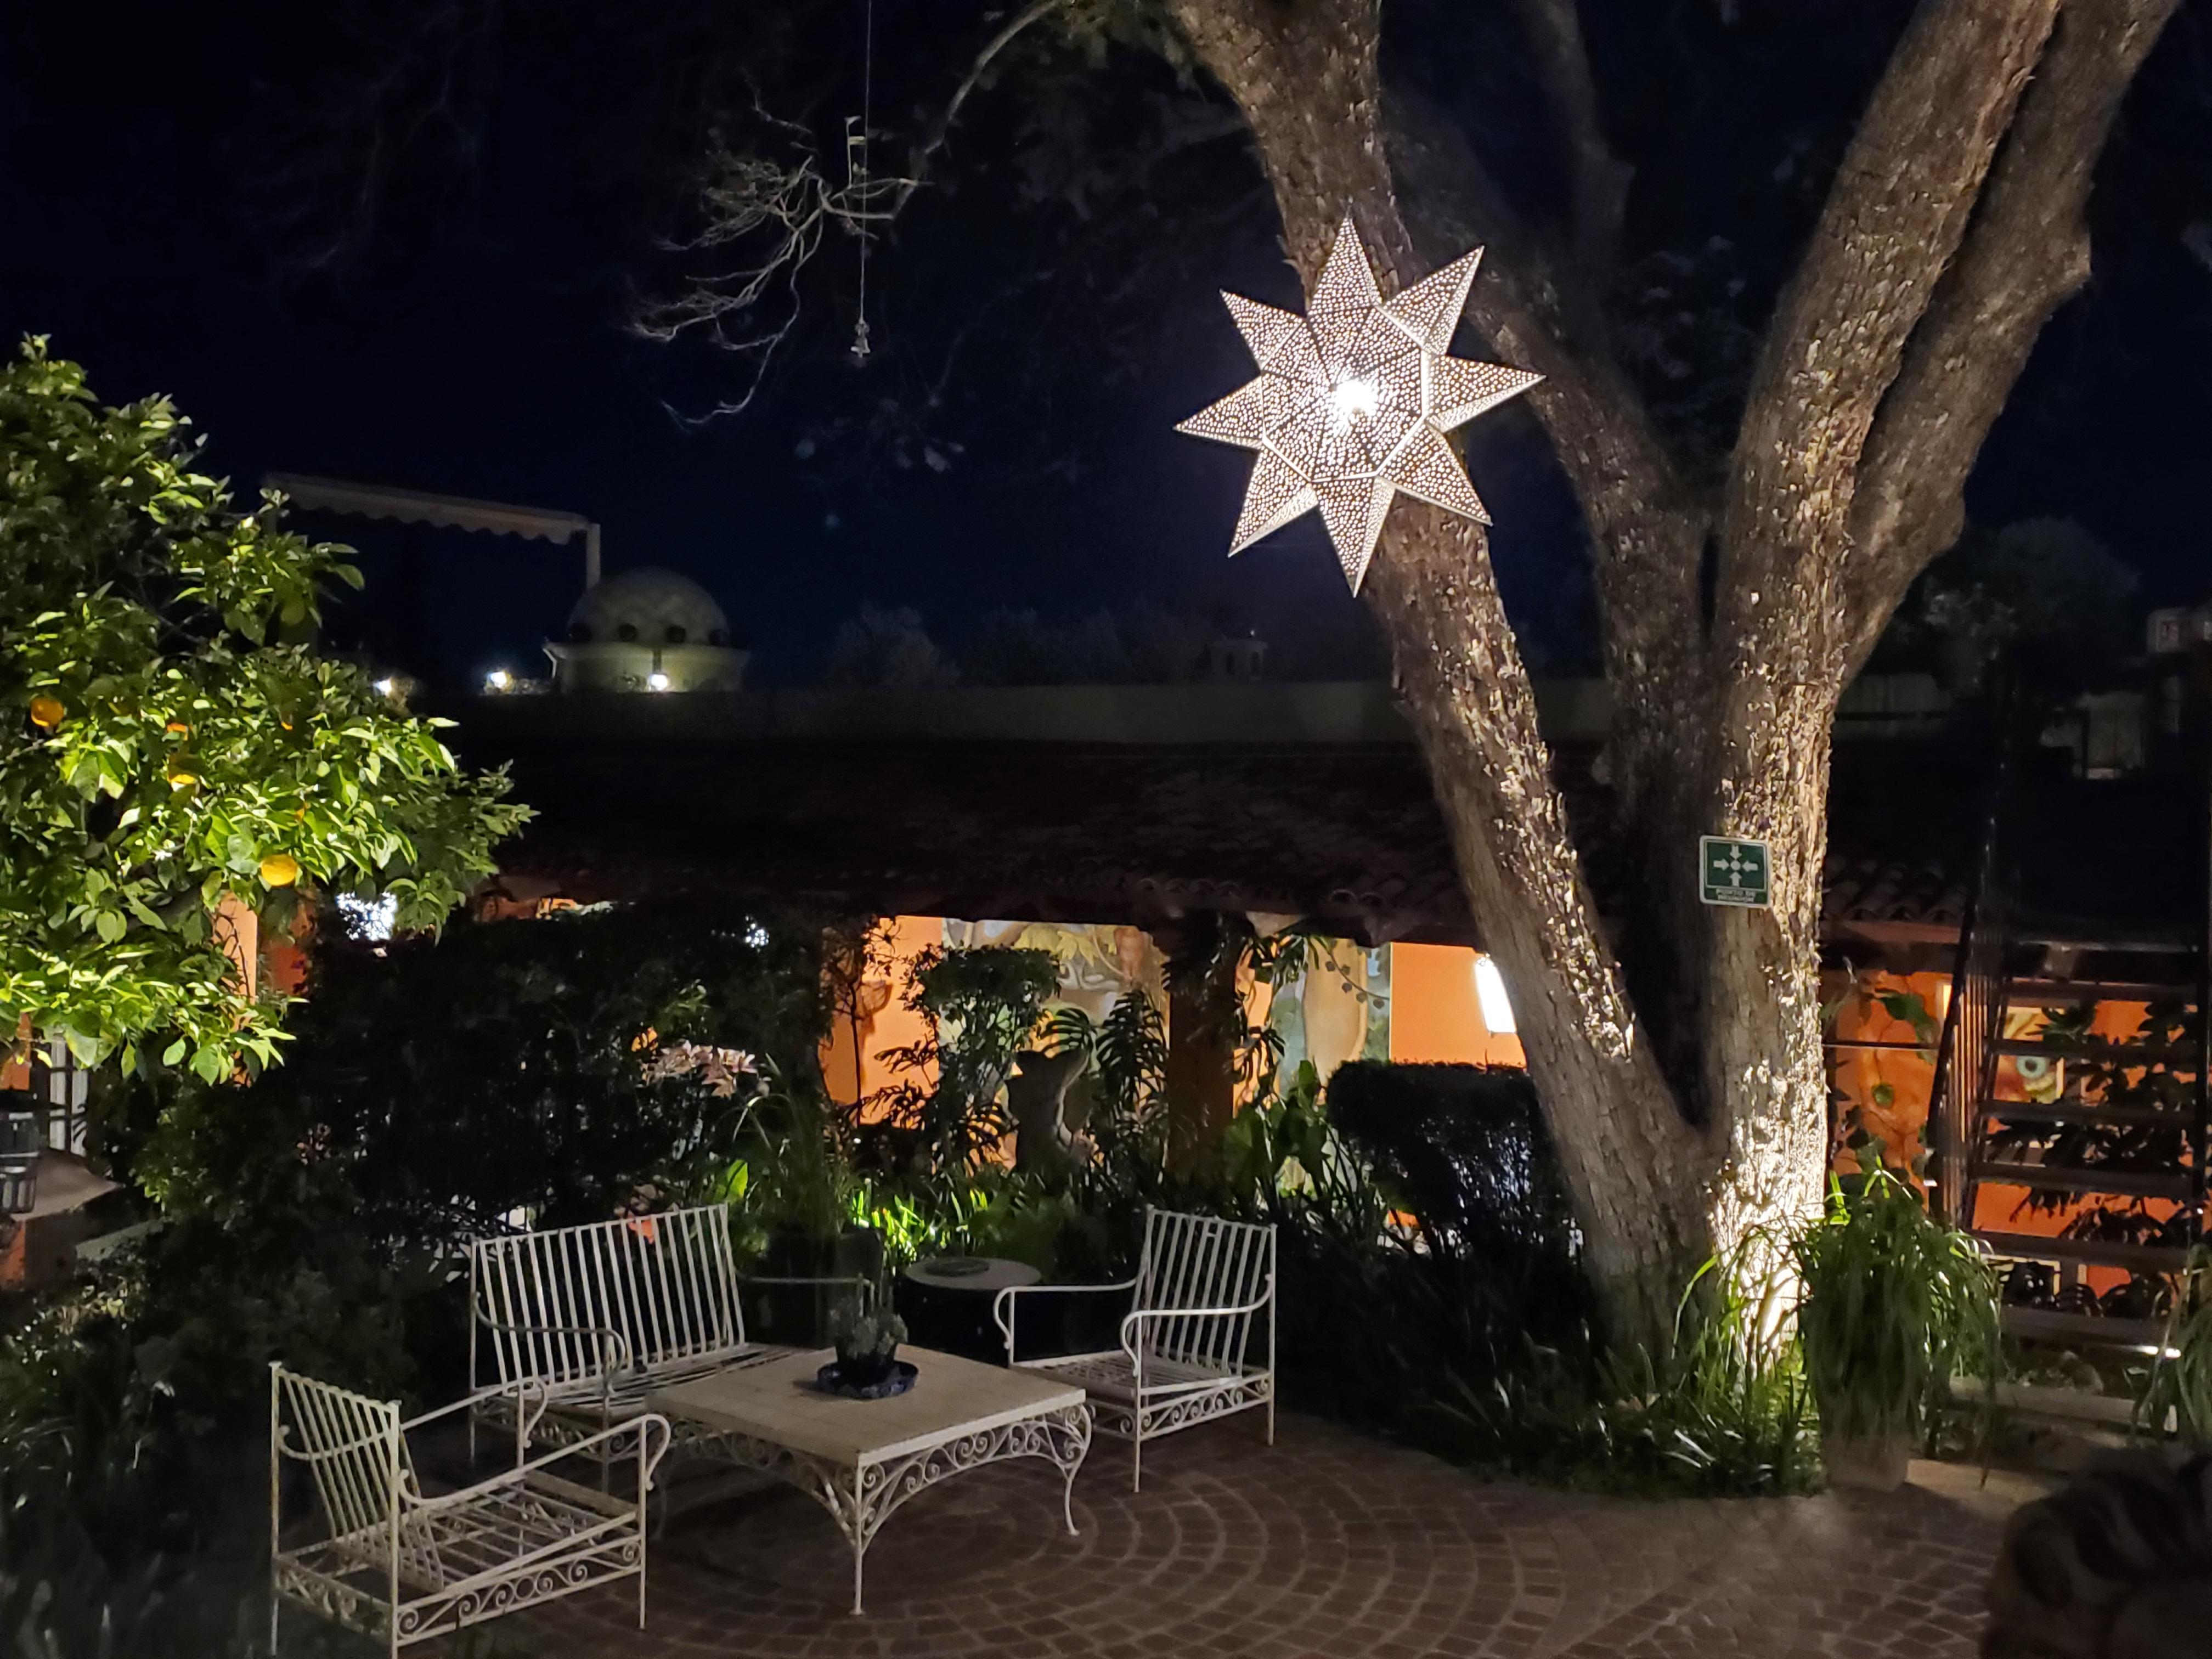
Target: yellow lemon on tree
280	870
47	713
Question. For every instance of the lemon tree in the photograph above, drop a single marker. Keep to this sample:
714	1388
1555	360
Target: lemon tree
171	750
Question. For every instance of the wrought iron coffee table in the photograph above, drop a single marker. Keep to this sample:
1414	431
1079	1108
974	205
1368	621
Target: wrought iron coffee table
861	1459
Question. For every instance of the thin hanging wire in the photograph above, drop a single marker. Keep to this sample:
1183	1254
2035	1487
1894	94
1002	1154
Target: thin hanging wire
856	168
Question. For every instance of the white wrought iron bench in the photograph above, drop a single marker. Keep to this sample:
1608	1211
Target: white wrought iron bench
400	1565
1196	1302
592	1319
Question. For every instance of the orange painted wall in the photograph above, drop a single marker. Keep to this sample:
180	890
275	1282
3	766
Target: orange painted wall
1434	1015
1863	1076
2003	1208
854	1063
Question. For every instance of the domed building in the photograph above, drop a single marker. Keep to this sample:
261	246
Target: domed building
647	630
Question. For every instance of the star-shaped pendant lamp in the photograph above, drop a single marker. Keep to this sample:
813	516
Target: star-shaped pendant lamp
1352	402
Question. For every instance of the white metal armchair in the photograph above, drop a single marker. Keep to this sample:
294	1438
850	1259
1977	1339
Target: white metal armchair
400	1565
1201	1289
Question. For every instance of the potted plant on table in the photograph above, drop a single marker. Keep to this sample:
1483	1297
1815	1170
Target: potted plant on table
867	1366
1894	1303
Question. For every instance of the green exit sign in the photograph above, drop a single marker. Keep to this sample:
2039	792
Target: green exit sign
1733	871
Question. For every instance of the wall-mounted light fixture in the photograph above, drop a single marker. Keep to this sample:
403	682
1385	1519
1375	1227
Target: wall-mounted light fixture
1489	992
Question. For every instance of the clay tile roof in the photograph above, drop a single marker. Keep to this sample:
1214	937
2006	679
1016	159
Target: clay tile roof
1346	835
1878	889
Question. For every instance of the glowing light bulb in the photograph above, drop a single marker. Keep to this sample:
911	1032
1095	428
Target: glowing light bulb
1351	401
498	680
386	686
656	681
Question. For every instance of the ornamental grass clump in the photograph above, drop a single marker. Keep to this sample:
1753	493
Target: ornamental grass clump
2179	1392
1894	1303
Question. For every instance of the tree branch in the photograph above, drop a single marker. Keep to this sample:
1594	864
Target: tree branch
1598	178
1648	525
1897	212
2026	254
1305	77
941	129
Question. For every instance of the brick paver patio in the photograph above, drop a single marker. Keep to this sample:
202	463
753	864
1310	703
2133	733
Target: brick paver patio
1331	1543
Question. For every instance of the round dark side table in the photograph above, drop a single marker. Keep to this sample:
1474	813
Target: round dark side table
946	1302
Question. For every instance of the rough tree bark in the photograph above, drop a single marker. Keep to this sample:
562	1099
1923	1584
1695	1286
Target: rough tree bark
1677	1048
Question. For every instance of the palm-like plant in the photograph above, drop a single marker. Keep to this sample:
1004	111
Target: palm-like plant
1894	1302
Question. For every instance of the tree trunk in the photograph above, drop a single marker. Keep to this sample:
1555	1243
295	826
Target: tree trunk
1639	1170
1632	1164
1677	1047
1204	1018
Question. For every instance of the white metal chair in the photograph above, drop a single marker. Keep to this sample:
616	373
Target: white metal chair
593	1318
1201	1287
400	1565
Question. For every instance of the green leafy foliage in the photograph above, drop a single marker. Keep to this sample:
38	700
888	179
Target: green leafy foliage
793	1170
1895	1304
133	1413
983	1005
1432	1289
510	1065
315	1216
1126	1050
167	742
1463	1147
1431	1274
1723	1413
2180	1386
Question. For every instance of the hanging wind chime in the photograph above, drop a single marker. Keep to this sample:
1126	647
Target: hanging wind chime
856	174
1352	402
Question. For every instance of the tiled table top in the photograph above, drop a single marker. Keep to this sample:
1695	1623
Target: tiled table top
776	1402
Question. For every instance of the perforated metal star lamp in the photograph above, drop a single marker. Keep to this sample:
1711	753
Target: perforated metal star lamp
1352	402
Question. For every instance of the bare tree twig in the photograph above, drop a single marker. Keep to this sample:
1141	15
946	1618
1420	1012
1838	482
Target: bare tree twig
415	87
782	208
941	130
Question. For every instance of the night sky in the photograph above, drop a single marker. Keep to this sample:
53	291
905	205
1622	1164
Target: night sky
150	222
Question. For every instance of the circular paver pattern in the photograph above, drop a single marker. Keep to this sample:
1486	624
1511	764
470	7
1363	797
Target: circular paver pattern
1329	1544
